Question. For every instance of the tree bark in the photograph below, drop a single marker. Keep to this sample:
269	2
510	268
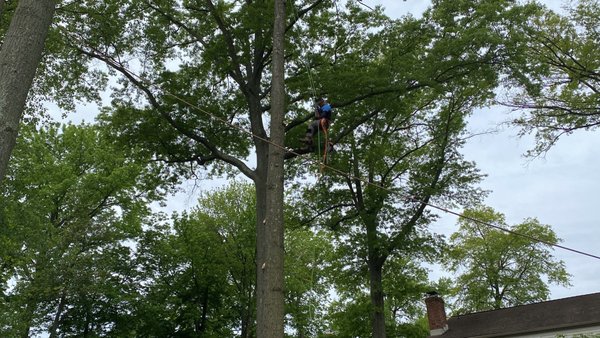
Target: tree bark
377	302
53	330
2	5
19	58
269	242
375	263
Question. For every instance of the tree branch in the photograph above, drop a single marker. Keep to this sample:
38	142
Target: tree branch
345	132
324	211
176	22
377	92
174	123
228	40
423	201
301	13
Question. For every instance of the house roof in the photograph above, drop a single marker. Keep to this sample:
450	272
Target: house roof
579	311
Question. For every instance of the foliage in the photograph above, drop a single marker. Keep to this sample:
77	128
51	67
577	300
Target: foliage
307	286
402	90
406	155
71	202
559	92
404	283
198	276
497	269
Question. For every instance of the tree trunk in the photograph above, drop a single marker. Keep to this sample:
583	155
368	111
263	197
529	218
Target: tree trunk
28	317
269	242
87	329
201	323
246	322
375	263
19	58
61	305
376	291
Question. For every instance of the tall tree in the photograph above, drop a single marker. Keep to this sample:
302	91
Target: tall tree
559	80
269	233
355	55
403	161
178	133
408	154
20	54
496	269
70	202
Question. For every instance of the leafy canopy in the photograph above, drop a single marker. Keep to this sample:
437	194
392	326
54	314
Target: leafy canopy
497	269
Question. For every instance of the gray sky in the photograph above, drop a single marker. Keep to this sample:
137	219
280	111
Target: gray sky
559	190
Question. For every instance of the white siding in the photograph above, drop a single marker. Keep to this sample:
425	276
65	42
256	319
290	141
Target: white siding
593	331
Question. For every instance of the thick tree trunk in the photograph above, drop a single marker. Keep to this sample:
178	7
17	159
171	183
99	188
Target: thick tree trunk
19	58
375	263
376	291
269	242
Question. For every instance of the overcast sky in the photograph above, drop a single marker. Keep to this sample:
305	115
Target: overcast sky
560	190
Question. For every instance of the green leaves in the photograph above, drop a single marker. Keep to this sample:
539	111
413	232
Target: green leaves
71	202
498	269
76	230
559	94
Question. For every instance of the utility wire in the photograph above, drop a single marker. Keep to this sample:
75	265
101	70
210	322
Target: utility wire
405	195
369	7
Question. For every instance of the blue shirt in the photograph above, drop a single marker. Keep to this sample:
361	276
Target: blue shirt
325	111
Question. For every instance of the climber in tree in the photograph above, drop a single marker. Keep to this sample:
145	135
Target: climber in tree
322	120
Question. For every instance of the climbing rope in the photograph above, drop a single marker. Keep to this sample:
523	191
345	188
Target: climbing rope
312	85
406	195
323	126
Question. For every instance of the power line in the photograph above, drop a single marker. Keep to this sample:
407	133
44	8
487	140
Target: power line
324	165
403	194
369	7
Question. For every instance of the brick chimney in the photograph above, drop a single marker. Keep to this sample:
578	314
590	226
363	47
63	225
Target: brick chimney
436	314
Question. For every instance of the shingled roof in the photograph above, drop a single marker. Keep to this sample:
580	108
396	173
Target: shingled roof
573	312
